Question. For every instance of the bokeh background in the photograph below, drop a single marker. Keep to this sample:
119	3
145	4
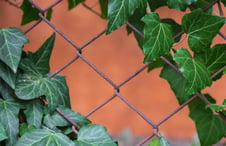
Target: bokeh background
118	56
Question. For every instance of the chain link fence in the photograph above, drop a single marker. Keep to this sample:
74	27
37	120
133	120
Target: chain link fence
116	87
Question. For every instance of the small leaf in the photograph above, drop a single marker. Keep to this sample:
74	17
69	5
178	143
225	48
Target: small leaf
34	113
176	81
54	120
11	42
177	4
9	118
154	4
158	37
73	3
29	13
201	29
7	75
3	134
95	135
24	127
43	137
104	8
196	74
120	10
155	142
213	58
216	107
42	56
210	127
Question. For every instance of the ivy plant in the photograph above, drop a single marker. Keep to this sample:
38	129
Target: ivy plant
32	101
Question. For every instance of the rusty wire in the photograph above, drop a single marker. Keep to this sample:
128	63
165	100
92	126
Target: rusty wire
116	87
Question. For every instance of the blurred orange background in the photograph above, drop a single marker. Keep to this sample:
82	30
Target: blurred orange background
117	56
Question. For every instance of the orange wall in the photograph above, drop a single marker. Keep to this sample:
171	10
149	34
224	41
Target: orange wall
117	56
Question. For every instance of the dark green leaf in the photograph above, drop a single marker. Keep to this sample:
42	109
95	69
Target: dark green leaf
73	3
104	8
201	29
55	119
24	127
158	37
176	27
9	118
42	56
29	13
11	42
159	63
135	20
7	75
5	90
155	4
213	58
43	137
217	107
177	4
49	14
224	2
34	113
210	127
196	74
120	10
94	135
3	134
176	81
202	4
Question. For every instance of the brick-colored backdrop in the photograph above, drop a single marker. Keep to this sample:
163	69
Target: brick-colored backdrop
118	56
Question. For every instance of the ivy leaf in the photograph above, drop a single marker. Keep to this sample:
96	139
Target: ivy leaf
9	118
24	127
196	74
158	37
94	135
34	113
201	29
224	2
3	134
202	4
180	4
5	90
213	58
31	85
7	75
57	120
210	127
216	107
159	142
154	4
73	3
38	137
42	56
104	8
29	13
120	10
11	42
176	81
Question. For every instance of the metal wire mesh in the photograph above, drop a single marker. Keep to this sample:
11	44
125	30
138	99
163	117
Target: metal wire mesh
116	87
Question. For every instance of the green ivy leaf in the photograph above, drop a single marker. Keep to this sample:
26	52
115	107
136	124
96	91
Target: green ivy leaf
11	42
159	142
154	4
73	3
201	29
24	127
43	137
31	85
196	74
29	12
9	118
216	107
104	8
213	58
94	135
180	4
210	127
42	56
202	4
3	134
7	75
55	119
120	10
176	81
49	14
158	37
34	113
5	90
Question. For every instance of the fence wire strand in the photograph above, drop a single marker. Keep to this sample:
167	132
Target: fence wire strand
116	87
